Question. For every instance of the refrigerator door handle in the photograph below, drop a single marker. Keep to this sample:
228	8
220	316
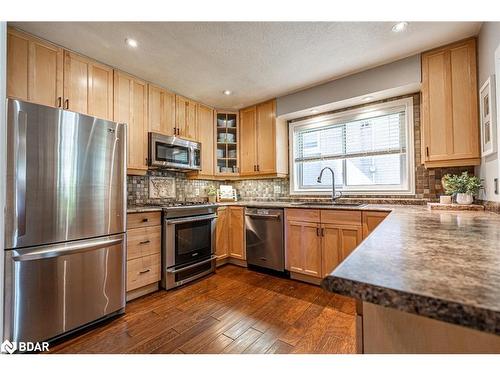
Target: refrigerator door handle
20	171
65	249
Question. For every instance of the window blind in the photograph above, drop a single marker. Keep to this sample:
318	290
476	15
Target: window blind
365	149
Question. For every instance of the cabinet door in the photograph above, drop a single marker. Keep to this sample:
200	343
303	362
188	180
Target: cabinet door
88	86
371	219
190	129
450	132
130	107
185	112
248	135
266	138
237	232
76	82
206	137
436	106
337	242
464	100
34	70
222	233
161	106
100	91
303	248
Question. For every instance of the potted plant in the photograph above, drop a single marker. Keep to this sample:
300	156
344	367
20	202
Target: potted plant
463	186
212	193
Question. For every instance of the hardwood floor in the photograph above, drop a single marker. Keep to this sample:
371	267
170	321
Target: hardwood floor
234	311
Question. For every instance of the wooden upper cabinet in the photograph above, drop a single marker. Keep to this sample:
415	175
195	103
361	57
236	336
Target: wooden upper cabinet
34	69
266	137
130	107
88	86
205	132
161	110
450	130
248	136
185	111
264	141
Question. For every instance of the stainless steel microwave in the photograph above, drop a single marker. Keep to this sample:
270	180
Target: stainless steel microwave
171	152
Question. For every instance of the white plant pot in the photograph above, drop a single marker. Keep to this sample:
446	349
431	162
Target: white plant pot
464	198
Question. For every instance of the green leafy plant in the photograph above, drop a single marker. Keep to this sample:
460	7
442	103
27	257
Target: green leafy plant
454	184
211	190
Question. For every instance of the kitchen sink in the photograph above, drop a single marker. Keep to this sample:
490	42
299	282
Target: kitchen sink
329	204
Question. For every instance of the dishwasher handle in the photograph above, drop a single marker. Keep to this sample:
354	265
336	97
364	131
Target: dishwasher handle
273	216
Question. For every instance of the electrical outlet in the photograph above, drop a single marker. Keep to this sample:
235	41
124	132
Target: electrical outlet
197	192
277	189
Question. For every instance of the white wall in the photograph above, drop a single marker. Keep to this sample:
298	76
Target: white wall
488	42
3	87
404	73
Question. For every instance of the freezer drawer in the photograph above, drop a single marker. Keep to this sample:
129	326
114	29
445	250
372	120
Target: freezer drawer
51	290
264	238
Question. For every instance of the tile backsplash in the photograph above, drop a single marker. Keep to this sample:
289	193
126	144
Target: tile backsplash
428	181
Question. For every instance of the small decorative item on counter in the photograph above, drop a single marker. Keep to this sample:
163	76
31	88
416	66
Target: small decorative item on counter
445	199
212	193
463	187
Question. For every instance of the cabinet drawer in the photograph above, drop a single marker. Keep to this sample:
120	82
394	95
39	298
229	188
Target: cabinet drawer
299	214
344	217
143	271
143	219
143	241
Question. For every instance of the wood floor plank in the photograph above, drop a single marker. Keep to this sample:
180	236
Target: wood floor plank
233	311
280	347
246	339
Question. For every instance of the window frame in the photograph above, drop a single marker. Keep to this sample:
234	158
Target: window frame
353	115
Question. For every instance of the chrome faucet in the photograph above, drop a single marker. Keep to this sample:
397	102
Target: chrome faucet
334	196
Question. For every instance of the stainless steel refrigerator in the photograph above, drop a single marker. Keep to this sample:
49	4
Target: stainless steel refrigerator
65	221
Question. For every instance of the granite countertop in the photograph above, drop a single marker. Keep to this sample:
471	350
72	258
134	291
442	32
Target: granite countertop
439	264
442	265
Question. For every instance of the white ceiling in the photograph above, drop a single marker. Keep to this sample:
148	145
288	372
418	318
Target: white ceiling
255	60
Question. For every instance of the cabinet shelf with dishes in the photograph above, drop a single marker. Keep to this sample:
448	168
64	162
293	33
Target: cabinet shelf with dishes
227	144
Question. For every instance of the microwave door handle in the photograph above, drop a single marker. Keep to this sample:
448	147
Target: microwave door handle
190	219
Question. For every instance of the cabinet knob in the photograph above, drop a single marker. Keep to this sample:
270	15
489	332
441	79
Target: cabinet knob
66	104
427	151
59	102
145	220
145	271
144	242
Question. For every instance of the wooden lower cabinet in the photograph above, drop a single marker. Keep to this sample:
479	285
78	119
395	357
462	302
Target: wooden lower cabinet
143	253
230	233
337	243
318	241
303	247
222	233
371	219
237	232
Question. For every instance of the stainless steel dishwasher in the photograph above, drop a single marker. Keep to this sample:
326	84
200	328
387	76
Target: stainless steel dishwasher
264	238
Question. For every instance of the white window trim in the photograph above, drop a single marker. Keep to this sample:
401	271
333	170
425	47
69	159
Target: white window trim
358	114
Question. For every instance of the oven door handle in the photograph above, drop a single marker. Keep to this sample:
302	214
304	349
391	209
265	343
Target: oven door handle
192	265
190	219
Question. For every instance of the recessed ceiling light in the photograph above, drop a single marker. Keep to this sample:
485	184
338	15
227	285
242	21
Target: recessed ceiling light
400	27
131	42
368	98
313	111
227	92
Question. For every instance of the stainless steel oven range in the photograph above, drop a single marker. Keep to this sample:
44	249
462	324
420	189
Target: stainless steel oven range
188	243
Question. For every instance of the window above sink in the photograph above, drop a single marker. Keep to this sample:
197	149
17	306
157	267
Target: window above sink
369	148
